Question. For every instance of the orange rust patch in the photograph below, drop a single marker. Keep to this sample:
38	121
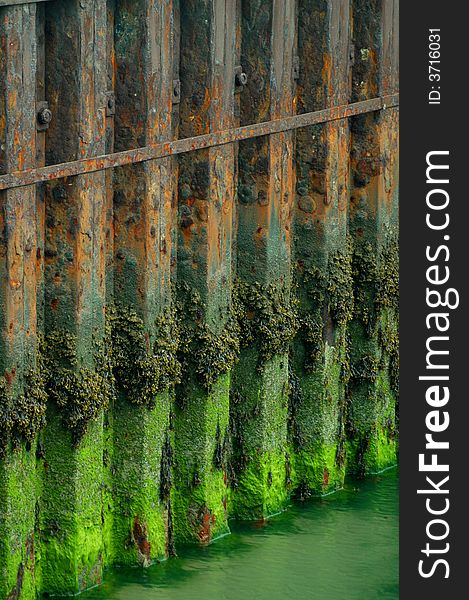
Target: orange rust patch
208	521
10	375
140	538
325	478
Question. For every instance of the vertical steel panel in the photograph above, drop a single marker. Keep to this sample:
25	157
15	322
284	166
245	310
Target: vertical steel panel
143	240
206	190
18	340
71	519
322	252
265	202
373	225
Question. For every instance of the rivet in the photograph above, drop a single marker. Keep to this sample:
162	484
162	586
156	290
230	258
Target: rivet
241	78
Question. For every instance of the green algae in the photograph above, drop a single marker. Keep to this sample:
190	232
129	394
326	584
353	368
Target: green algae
143	369
317	425
139	508
70	510
200	492
317	471
268	317
374	387
261	489
18	538
321	370
258	414
202	349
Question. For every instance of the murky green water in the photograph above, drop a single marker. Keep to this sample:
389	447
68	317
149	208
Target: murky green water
342	547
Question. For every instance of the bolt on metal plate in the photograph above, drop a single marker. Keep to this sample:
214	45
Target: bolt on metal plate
176	91
296	68
110	104
43	116
241	78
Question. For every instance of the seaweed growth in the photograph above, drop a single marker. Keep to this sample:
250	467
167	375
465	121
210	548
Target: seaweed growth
329	292
268	318
22	418
376	275
207	353
80	393
377	294
374	384
29	413
143	369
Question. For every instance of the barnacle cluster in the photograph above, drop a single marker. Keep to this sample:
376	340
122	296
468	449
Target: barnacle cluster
143	368
202	350
268	317
80	392
329	290
23	415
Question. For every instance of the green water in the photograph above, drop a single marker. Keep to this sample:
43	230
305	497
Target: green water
342	547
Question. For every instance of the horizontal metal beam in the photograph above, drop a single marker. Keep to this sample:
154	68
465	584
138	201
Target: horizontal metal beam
118	159
16	2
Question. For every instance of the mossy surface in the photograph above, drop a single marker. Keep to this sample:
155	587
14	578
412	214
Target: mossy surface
200	496
71	508
22	416
317	411
139	510
320	366
79	385
258	412
261	488
317	470
18	538
145	370
374	357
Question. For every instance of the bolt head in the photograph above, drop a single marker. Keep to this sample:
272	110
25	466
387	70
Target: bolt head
241	79
44	116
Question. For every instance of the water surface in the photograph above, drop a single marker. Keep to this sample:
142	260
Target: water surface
342	547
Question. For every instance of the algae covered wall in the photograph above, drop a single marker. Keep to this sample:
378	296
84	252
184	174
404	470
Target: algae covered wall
188	340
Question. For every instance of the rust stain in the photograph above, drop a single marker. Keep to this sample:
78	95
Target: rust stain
140	539
208	522
10	375
325	478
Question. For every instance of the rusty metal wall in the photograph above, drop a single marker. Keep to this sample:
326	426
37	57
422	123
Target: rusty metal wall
198	262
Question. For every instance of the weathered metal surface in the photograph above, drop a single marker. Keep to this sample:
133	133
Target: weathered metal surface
265	204
182	146
145	274
204	268
373	221
18	340
71	505
322	254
